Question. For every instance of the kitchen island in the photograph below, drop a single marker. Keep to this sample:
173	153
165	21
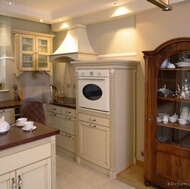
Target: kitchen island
28	159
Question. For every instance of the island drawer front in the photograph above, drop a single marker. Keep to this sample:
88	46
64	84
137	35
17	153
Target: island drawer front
68	111
94	119
24	158
63	123
66	141
53	108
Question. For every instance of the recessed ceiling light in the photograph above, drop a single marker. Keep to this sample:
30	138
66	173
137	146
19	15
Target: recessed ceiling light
41	20
9	2
116	4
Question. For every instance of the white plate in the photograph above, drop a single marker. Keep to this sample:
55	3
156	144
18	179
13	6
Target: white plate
25	129
183	64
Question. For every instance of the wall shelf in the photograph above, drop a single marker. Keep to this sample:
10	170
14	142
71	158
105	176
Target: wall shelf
4	90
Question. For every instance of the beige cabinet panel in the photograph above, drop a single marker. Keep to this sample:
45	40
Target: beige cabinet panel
63	118
94	143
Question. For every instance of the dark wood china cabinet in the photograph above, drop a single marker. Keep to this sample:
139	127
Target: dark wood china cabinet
167	95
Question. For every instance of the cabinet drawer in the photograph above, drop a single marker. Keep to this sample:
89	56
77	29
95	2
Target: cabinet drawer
66	141
53	108
94	119
68	111
23	158
62	122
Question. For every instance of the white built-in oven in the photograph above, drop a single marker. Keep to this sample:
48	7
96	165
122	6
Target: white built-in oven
93	90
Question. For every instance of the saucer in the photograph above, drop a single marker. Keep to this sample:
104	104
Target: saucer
19	125
25	129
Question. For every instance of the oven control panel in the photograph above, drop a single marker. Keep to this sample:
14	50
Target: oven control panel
93	73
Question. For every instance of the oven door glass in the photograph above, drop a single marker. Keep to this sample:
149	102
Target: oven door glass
92	92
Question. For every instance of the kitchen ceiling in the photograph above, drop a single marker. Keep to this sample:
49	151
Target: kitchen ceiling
54	11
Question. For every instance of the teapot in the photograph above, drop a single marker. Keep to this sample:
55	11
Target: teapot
4	126
184	113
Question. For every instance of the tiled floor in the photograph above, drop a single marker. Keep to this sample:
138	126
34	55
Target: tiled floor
71	175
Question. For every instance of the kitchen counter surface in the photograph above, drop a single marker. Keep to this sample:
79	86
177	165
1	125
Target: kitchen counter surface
65	102
16	136
10	104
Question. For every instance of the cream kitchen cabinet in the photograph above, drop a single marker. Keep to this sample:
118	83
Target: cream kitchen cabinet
28	166
106	139
94	139
63	118
30	177
31	51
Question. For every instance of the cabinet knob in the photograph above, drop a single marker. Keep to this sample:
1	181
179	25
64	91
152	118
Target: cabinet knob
151	119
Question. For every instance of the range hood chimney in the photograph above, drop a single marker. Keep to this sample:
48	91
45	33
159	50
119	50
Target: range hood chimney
76	46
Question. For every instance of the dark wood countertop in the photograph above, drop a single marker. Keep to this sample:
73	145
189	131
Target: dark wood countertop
65	102
10	104
16	136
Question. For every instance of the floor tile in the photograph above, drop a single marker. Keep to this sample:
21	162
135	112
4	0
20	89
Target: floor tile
71	175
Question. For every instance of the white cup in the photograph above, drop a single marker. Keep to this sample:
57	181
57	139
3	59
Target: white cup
28	125
20	121
182	121
172	119
159	119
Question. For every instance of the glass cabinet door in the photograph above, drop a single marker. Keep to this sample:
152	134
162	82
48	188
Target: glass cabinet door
173	100
43	44
27	52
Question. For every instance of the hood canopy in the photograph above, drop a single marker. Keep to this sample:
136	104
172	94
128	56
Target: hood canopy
76	46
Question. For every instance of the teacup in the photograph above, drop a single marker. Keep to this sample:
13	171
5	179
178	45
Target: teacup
28	125
183	59
21	121
172	119
182	121
159	119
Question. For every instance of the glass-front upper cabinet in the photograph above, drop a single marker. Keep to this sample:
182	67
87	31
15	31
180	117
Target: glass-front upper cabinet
32	51
173	100
27	52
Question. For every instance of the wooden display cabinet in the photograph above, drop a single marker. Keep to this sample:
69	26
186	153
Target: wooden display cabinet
167	146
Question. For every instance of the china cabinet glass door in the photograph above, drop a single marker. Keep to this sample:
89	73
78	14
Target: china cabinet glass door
173	101
27	53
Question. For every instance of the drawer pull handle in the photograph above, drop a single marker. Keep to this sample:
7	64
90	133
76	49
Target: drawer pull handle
19	182
68	118
13	184
67	112
93	125
67	135
92	119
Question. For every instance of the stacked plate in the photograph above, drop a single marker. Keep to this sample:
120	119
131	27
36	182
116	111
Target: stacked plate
183	64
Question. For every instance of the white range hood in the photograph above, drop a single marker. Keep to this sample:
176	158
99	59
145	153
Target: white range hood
76	46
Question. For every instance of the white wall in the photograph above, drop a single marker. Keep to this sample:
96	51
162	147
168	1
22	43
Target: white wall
145	31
